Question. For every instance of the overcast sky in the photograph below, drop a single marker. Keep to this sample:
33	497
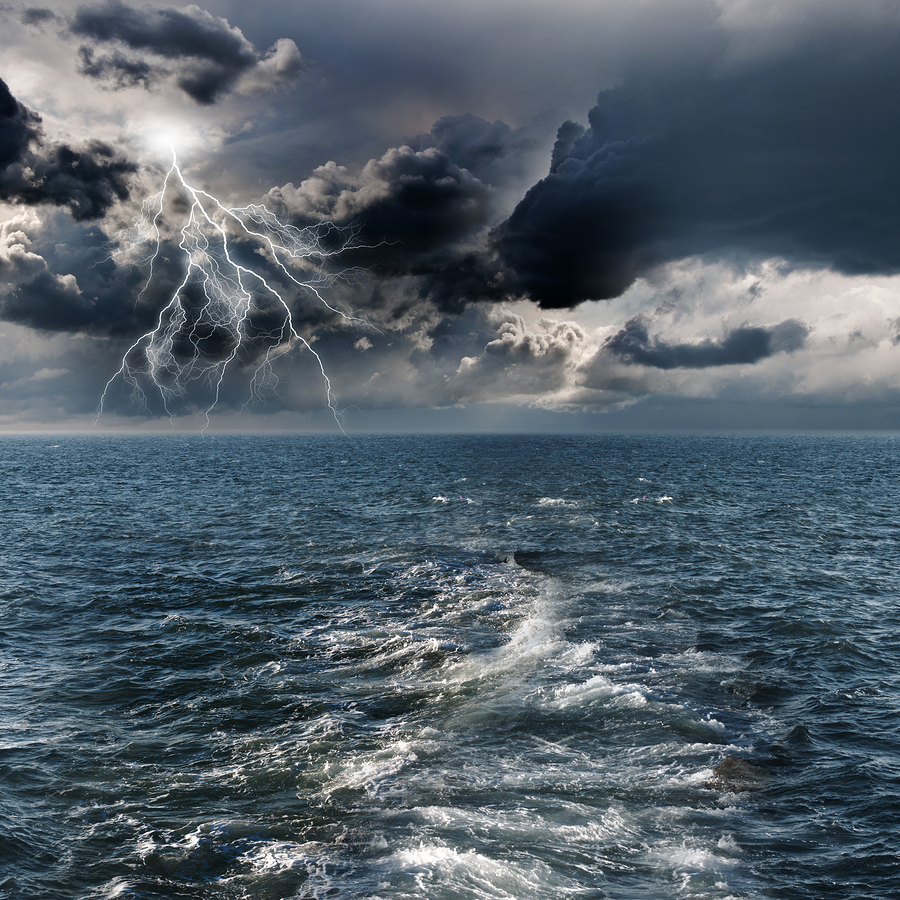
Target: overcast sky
502	214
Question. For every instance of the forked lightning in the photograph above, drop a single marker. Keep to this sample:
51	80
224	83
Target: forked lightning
194	343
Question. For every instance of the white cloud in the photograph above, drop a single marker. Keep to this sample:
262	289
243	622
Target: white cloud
17	262
281	66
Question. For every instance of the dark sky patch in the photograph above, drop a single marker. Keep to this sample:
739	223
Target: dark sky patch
93	295
115	68
416	213
740	346
422	211
19	128
86	181
426	201
37	15
46	302
587	230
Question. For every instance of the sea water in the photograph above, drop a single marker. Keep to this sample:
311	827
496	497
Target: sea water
449	667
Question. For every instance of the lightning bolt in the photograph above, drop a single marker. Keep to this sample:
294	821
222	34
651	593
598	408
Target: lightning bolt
195	341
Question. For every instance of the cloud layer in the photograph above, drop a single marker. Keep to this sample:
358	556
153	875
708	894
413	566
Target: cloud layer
703	194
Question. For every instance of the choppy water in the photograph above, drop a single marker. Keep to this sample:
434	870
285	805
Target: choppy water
448	667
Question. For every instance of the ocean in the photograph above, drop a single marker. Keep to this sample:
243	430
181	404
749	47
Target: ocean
449	667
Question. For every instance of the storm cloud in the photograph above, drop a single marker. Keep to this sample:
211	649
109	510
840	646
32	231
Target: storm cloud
57	276
417	213
34	170
785	152
788	153
492	151
723	171
19	128
740	346
421	197
408	202
202	54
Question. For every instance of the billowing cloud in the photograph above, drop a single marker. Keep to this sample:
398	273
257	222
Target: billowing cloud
203	54
422	211
31	292
409	202
785	151
51	282
492	151
17	261
417	215
34	170
19	129
521	360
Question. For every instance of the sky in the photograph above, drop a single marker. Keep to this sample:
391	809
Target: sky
503	215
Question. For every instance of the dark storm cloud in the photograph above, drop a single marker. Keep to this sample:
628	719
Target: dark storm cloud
409	202
790	153
785	152
19	128
586	231
211	56
414	211
740	346
35	171
492	151
93	294
421	202
46	302
421	211
205	55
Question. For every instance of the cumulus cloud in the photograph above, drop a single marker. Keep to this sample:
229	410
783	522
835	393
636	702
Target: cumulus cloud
34	170
418	215
409	202
206	57
422	212
521	360
57	276
493	152
19	128
17	261
31	293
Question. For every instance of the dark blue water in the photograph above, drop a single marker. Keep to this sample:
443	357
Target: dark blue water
449	667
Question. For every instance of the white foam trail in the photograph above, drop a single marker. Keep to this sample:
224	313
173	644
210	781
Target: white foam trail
441	873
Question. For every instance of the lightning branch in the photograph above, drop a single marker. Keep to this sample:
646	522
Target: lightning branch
195	342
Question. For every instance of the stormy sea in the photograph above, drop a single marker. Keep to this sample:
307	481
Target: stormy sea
446	667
